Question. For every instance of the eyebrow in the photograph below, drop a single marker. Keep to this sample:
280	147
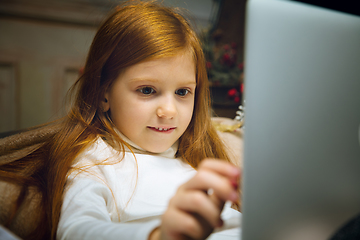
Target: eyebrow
156	80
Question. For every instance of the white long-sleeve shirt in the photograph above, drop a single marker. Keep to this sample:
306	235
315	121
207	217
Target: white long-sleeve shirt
125	199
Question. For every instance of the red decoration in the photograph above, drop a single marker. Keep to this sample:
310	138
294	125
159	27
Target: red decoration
226	57
232	92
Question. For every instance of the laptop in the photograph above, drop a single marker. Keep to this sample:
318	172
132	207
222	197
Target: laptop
301	177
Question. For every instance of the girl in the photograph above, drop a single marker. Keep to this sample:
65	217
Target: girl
122	164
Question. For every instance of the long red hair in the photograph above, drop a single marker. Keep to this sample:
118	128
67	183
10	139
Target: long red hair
134	32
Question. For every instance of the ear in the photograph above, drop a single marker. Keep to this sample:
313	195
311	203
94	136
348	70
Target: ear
105	102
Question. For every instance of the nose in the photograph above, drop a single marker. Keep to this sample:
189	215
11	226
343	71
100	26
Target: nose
166	108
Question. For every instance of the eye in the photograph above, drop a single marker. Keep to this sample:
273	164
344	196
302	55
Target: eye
182	92
146	90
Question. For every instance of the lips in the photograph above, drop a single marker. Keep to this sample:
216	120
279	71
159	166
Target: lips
162	129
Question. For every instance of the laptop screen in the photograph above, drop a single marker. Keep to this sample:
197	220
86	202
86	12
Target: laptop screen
301	142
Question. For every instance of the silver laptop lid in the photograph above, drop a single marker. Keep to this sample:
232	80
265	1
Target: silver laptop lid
301	145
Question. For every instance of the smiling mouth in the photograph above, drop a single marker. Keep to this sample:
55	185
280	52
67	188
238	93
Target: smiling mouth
159	129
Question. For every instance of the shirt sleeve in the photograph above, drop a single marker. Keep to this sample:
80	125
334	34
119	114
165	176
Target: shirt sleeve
85	215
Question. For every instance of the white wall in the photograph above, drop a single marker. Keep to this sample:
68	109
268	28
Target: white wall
40	59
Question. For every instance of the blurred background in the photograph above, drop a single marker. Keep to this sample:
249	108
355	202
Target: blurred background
44	43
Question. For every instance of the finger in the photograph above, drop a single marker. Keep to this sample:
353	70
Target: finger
190	225
216	201
200	203
206	227
205	180
221	167
225	169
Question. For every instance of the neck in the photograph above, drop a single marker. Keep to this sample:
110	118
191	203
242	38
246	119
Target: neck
169	153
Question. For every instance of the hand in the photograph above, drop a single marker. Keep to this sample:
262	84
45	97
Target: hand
193	213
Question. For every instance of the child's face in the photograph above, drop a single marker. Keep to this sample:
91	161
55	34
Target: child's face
152	102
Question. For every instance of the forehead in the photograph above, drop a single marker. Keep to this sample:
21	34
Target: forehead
180	67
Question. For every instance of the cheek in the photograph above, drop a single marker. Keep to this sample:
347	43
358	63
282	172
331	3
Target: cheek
187	112
129	111
135	113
